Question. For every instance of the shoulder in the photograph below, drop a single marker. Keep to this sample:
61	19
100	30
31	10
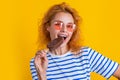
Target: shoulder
85	49
32	62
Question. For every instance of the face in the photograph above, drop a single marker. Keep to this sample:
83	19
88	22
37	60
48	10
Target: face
62	26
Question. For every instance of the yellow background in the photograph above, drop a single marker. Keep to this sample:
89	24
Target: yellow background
19	25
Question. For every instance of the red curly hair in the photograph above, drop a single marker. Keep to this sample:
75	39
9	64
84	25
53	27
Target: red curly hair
44	36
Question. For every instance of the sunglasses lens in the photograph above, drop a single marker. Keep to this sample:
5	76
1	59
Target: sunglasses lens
58	25
70	27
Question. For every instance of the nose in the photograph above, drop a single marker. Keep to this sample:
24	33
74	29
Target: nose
64	28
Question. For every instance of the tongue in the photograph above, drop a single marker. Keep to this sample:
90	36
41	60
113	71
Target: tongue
54	44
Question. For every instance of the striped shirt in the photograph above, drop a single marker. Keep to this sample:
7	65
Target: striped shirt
76	67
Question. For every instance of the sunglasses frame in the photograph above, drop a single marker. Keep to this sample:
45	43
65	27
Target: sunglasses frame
59	25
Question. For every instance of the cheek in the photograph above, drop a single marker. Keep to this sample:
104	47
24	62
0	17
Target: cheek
52	31
70	36
70	30
53	34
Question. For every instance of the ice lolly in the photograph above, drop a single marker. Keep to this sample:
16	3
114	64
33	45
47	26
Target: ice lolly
54	44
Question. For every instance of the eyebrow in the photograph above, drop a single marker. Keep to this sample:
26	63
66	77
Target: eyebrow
61	21
57	21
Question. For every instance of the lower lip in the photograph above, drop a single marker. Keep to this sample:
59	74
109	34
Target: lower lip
65	39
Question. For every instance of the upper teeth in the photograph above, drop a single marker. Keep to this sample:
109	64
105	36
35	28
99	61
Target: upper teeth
62	35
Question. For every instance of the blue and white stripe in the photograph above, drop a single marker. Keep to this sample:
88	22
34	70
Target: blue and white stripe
76	67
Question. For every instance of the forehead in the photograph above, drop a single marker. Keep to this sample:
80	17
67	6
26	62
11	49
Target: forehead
64	17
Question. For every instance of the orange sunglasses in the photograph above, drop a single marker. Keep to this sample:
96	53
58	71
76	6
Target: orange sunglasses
58	25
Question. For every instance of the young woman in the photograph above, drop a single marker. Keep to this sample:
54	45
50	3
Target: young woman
71	60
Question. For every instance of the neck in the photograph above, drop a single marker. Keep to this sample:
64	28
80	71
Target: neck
61	50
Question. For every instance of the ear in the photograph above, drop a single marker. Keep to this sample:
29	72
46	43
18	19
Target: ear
48	28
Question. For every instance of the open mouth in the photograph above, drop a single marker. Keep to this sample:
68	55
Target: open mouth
63	36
